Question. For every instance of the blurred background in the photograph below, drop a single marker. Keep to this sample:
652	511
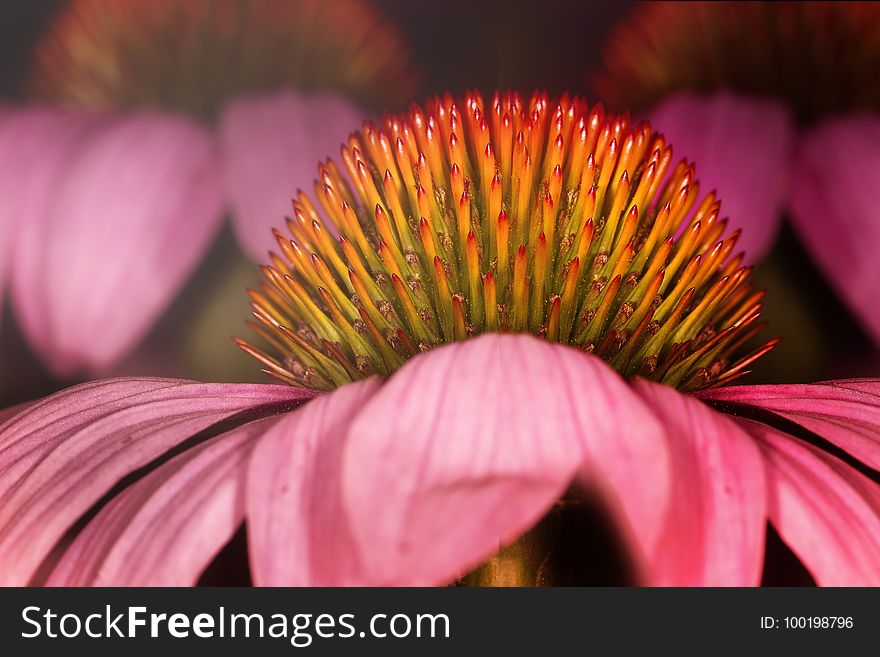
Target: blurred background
455	45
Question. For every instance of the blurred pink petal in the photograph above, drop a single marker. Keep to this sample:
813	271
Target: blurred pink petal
742	146
834	208
128	217
468	446
714	533
824	510
843	412
167	527
298	531
7	220
61	455
37	146
271	148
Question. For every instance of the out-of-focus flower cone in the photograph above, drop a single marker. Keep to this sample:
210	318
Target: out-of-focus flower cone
197	55
817	56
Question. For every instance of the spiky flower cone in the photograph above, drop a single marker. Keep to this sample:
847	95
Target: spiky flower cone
194	55
523	215
819	56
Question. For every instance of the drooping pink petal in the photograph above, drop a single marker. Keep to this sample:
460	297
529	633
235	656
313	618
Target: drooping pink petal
127	219
37	146
467	446
298	530
824	510
271	148
166	528
846	413
61	455
742	147
714	532
835	211
627	458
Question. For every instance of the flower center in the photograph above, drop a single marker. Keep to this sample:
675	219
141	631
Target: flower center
522	215
197	54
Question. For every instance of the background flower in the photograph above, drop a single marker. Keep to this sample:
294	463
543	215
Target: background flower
163	114
786	122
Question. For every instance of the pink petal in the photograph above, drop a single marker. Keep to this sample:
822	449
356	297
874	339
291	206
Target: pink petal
297	528
714	533
468	446
167	527
834	208
846	413
131	212
825	511
741	147
7	219
11	411
271	148
61	455
627	458
37	146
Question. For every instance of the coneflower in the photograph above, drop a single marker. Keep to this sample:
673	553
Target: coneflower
417	467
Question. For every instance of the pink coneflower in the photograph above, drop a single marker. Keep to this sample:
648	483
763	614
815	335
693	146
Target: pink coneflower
528	302
151	118
783	118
